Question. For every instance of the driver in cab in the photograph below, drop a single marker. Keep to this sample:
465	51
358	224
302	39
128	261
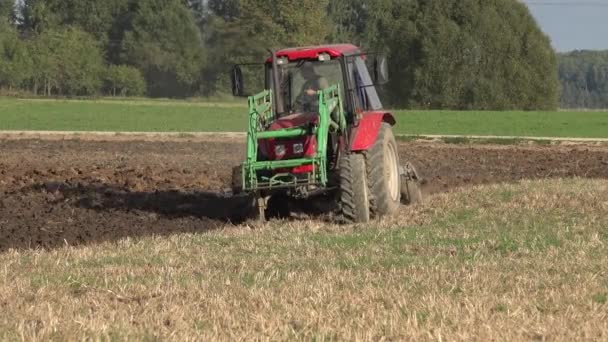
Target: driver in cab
308	100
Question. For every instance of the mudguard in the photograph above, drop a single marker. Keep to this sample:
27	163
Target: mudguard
364	135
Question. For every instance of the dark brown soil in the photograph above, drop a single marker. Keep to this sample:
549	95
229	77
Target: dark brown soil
71	192
446	166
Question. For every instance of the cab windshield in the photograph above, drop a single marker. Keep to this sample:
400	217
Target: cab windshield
300	81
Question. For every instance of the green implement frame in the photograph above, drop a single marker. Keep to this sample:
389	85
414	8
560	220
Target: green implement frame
262	115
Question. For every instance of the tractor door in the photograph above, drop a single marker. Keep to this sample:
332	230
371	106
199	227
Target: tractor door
362	91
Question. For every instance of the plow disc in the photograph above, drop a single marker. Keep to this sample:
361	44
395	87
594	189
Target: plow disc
410	185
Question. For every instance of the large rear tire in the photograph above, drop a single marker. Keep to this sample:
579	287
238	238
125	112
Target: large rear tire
382	162
354	191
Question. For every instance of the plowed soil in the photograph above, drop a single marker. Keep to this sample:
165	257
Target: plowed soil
71	192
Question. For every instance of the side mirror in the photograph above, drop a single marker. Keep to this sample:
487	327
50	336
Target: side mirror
238	87
381	74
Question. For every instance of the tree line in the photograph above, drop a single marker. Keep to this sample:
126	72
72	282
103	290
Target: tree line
461	54
584	79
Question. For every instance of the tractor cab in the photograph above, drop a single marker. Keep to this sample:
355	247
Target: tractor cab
302	72
319	109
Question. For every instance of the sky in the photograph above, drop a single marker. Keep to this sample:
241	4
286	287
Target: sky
573	24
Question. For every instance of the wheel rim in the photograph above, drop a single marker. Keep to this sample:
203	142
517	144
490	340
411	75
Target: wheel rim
392	172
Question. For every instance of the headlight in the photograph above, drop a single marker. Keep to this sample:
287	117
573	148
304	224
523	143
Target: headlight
298	148
279	150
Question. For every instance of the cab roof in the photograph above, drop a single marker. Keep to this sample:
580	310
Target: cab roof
313	52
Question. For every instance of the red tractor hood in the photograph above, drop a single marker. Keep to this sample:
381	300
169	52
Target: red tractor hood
294	120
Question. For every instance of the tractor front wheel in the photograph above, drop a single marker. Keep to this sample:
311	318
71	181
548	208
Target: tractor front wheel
354	192
383	173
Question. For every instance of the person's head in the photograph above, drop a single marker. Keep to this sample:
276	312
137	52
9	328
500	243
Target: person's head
308	70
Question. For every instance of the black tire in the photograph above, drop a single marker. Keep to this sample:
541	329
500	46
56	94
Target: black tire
354	192
382	162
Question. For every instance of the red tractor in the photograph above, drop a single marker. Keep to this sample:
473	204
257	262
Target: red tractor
319	130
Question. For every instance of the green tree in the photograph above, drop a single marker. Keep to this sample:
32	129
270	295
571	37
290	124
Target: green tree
465	54
225	9
45	63
285	23
15	63
349	20
66	62
93	16
81	64
38	16
584	79
124	80
242	31
392	28
105	20
165	44
7	10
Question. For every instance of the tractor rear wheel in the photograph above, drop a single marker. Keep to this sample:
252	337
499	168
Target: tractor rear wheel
383	173
354	192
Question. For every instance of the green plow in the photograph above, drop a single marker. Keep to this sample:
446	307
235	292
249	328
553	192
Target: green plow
261	116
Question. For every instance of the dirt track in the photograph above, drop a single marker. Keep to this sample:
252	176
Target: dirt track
54	193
